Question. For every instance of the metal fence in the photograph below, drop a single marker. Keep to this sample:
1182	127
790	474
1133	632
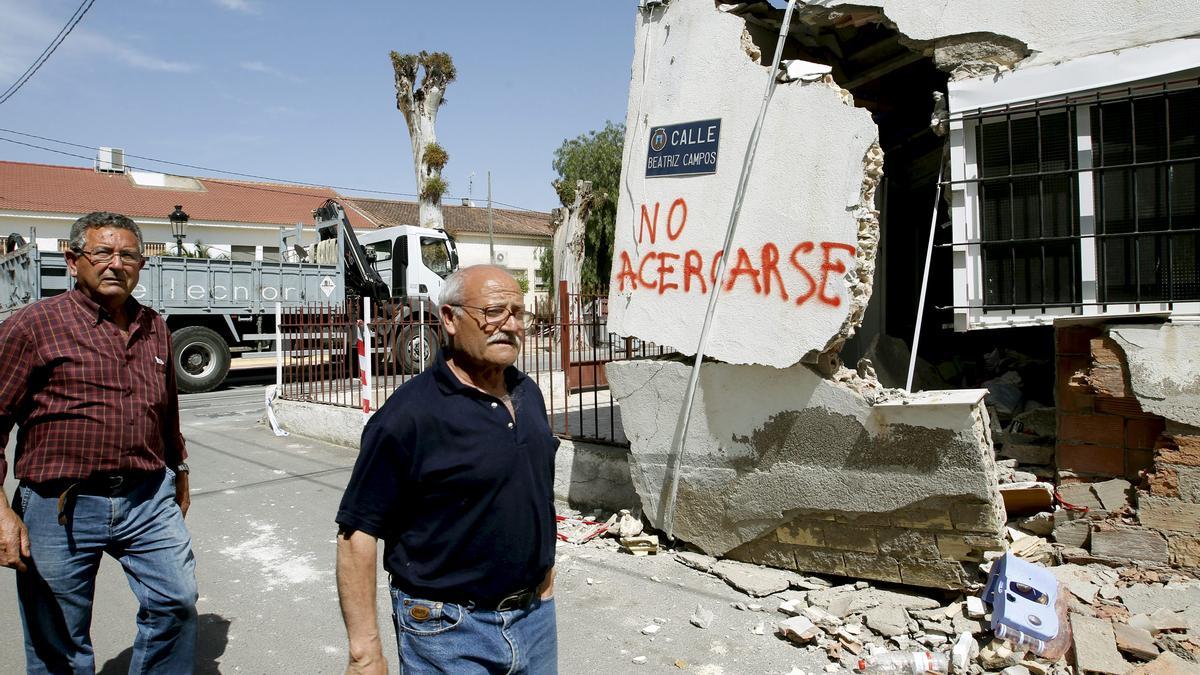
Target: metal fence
565	349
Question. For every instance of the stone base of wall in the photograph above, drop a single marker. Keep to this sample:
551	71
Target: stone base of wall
935	544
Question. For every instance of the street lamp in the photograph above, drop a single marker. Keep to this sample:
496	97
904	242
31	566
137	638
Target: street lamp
179	221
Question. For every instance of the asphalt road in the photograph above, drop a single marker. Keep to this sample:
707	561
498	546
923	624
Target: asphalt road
263	532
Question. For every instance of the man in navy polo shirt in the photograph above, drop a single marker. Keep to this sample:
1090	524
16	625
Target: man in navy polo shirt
456	475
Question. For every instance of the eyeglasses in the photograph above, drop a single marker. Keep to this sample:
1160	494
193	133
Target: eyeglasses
104	256
496	315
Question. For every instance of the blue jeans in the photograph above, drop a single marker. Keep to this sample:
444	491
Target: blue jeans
143	529
459	639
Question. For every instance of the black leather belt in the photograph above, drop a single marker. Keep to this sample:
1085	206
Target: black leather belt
101	485
518	600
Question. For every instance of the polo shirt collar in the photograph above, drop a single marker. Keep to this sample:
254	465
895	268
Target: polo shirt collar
449	383
98	313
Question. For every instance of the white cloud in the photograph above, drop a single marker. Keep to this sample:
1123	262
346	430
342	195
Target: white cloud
243	6
26	31
260	67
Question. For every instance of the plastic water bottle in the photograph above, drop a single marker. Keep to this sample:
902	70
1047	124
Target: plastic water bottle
908	663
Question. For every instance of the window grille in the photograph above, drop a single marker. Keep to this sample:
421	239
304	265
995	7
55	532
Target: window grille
1078	205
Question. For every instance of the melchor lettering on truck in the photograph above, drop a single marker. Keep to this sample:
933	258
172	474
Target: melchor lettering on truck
220	292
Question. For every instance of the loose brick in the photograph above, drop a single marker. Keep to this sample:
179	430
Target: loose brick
933	573
1096	429
819	561
1180	450
1130	543
845	538
1185	549
1144	432
907	544
803	534
1168	514
1094	459
1125	407
867	566
1075	397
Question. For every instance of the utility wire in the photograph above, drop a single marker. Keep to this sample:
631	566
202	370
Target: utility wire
76	17
213	170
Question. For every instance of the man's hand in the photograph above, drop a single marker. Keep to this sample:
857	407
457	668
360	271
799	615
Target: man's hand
183	497
357	553
546	588
370	662
14	537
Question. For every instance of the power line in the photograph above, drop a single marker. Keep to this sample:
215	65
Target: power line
213	170
76	17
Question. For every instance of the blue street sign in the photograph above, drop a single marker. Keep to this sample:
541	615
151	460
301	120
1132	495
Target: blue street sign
685	149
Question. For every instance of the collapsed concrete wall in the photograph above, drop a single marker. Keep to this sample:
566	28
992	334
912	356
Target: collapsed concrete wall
796	471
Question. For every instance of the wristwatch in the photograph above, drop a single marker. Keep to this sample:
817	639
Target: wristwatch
182	467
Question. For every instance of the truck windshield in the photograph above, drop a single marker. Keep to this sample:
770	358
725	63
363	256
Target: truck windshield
436	256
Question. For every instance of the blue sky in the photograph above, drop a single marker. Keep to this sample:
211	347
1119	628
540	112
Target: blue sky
303	90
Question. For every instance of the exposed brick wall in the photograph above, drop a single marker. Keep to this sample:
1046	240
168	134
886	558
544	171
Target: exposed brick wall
1104	433
930	545
1102	430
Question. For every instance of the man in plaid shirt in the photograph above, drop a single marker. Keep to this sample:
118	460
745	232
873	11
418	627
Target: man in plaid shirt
87	377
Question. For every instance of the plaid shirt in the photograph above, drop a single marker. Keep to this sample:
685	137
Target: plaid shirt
87	399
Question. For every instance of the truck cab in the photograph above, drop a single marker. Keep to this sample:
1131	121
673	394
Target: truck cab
412	261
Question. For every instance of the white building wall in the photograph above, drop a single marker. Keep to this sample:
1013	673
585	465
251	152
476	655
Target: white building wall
520	253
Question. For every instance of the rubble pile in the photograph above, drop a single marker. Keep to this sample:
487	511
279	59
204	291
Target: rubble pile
1123	620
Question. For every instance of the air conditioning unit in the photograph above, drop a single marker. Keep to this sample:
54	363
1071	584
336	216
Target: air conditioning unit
500	257
110	160
651	4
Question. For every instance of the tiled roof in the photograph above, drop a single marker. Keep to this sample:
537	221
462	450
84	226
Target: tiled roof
459	219
75	190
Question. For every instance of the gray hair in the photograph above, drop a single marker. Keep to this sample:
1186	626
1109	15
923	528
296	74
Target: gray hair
98	219
454	288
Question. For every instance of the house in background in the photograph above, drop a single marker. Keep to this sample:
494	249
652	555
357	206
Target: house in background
238	219
519	237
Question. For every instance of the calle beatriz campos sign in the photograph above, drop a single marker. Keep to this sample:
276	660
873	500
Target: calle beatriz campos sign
685	149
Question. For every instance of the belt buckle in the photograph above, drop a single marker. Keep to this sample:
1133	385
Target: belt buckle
515	601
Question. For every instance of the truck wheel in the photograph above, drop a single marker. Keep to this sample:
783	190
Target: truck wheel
200	358
414	350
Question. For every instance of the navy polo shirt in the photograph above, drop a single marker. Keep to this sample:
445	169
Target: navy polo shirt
461	494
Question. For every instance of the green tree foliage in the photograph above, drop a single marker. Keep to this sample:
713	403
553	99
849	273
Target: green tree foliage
594	156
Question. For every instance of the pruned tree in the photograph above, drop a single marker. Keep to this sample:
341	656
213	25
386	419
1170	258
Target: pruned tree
571	230
420	107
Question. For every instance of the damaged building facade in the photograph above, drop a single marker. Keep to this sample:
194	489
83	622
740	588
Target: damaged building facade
1066	139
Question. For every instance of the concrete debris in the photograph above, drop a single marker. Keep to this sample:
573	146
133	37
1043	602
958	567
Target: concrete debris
1040	524
651	629
646	544
1136	642
887	620
623	525
798	629
753	580
1015	670
1113	494
964	652
1167	664
1034	550
975	607
997	655
1145	599
702	617
1165	620
697	561
1129	543
759	628
1096	646
1081	581
639	660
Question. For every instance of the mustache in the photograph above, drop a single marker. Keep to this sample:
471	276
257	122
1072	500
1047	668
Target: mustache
503	337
